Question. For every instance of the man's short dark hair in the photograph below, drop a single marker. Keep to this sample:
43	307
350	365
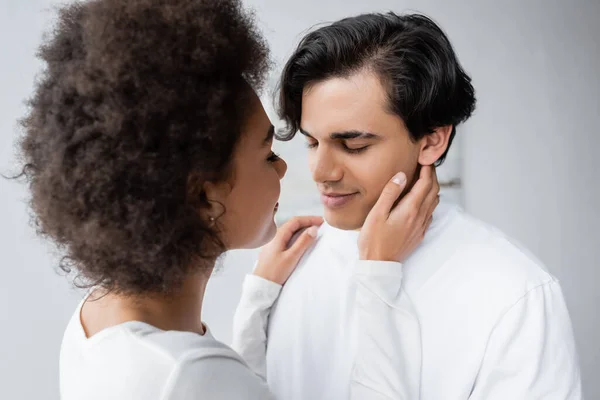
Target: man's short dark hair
414	59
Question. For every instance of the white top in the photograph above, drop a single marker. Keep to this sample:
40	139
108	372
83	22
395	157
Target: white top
363	370
137	361
492	322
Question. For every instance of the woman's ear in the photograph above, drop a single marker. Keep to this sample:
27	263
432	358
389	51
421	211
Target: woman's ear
434	145
207	197
216	194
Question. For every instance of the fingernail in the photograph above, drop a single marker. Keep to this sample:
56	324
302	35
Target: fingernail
399	178
312	231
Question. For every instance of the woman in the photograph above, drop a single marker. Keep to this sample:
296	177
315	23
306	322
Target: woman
148	155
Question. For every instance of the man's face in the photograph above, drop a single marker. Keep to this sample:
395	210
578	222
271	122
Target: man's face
355	145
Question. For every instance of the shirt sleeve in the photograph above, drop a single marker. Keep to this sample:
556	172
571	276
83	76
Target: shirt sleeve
531	352
215	376
388	354
388	358
251	319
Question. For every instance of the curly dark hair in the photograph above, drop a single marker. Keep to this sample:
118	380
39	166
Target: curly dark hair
426	85
140	102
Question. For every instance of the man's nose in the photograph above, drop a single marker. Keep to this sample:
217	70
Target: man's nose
324	166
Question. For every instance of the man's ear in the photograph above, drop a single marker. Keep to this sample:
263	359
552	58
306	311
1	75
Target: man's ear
433	145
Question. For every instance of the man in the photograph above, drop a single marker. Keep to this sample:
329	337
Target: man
373	95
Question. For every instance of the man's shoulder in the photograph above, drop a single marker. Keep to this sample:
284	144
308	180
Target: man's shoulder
496	259
461	245
474	271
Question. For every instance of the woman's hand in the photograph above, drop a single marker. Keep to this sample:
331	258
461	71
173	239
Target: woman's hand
392	233
278	259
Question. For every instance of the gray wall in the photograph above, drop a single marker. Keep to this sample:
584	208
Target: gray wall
527	162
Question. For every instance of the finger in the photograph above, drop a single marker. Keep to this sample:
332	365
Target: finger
411	203
428	222
433	207
306	239
432	198
422	187
287	230
388	196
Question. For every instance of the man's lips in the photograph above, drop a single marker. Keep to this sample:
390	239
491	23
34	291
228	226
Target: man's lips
336	200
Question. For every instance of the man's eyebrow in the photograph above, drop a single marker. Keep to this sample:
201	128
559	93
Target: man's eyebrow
346	135
270	134
353	135
302	131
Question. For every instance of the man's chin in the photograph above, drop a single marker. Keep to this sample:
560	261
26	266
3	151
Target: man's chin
346	221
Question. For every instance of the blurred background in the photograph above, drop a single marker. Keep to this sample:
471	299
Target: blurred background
524	162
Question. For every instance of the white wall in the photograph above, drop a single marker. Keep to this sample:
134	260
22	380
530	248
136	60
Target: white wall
35	303
527	161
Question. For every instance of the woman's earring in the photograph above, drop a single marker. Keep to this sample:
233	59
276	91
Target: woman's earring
212	220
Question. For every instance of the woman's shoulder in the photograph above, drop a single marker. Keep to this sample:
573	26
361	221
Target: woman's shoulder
178	365
179	346
173	364
210	369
